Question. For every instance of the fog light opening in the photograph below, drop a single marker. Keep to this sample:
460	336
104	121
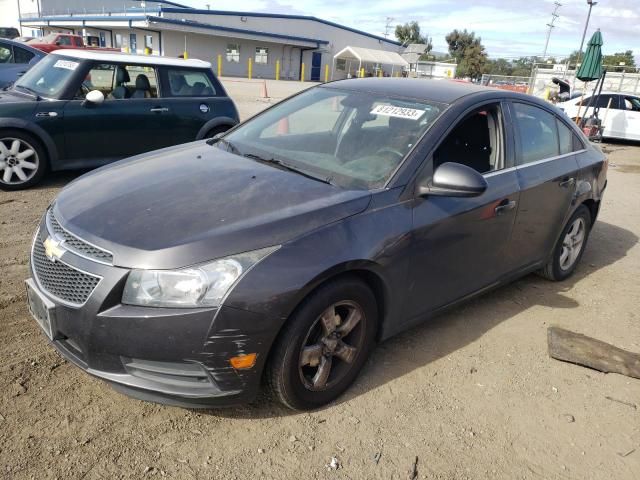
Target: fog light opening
243	362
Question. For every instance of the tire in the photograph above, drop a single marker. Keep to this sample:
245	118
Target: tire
18	168
216	130
561	267
291	375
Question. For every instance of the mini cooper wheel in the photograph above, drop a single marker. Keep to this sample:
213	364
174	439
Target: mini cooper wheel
570	246
22	160
324	345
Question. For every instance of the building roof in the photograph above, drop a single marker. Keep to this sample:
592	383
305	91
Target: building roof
130	58
369	55
276	15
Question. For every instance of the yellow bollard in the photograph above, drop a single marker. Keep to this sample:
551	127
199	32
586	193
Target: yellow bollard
302	73
380	73
219	65
250	68
277	69
326	73
147	51
362	72
185	55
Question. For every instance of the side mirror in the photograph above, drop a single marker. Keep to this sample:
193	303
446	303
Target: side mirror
94	97
58	42
454	180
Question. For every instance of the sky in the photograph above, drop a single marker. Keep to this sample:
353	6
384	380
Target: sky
508	28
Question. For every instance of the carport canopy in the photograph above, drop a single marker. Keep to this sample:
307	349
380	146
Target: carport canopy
370	55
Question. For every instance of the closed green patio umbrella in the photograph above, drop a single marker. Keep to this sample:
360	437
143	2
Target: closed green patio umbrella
591	67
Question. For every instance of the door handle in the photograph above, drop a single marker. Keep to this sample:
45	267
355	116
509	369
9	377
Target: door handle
567	182
505	206
159	109
46	114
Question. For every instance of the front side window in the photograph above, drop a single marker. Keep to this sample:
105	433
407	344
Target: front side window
6	54
49	77
538	133
601	102
233	52
355	140
262	55
632	103
118	82
476	141
190	83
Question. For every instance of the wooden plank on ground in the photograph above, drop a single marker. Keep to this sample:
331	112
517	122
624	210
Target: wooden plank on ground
586	351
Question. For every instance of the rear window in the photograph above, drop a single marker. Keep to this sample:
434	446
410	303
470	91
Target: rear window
190	83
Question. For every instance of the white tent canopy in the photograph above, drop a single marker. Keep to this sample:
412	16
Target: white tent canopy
369	55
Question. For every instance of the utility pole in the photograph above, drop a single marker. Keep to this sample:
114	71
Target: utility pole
387	27
551	26
584	33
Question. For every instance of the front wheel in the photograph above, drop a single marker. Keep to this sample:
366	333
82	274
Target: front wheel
570	246
324	345
22	160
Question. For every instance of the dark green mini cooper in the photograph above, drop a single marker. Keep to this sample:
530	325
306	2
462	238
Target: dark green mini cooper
82	109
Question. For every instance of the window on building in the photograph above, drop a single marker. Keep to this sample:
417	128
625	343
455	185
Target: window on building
262	55
233	52
538	133
21	55
148	41
133	42
190	83
103	39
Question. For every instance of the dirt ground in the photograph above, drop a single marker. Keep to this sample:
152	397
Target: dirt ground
472	394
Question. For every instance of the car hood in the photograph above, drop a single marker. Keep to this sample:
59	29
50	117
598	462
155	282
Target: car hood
195	202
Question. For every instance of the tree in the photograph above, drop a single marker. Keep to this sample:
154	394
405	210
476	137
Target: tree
410	33
618	58
468	51
499	66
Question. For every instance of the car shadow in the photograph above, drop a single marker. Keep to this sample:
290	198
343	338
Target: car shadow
462	325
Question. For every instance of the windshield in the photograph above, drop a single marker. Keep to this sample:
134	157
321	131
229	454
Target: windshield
353	139
48	77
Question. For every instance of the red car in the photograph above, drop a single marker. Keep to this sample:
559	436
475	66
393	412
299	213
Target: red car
58	41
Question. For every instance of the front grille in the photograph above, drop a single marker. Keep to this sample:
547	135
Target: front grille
73	243
60	280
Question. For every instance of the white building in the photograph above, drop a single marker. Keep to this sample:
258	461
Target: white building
239	38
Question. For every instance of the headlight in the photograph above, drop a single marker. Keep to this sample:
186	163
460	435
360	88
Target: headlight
199	286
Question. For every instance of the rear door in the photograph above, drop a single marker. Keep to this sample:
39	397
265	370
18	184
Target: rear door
547	171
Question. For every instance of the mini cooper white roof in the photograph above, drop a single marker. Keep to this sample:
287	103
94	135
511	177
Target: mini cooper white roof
130	58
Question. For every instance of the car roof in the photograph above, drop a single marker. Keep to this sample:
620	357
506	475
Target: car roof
131	58
441	91
26	46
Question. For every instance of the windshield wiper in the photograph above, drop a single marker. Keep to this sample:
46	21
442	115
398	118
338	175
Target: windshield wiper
30	90
286	166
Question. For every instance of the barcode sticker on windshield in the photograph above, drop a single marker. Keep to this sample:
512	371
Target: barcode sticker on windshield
66	64
400	112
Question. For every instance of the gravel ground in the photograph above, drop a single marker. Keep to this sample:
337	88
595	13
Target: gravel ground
472	394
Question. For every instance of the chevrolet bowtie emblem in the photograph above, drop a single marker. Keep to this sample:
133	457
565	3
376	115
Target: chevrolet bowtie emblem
52	249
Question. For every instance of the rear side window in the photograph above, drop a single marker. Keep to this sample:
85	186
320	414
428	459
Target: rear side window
190	83
21	55
62	40
538	132
569	141
6	55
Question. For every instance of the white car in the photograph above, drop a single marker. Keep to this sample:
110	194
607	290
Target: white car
623	119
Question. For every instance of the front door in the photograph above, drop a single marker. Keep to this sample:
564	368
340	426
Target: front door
131	120
316	66
548	172
460	245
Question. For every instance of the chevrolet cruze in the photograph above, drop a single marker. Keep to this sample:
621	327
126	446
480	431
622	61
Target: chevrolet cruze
280	252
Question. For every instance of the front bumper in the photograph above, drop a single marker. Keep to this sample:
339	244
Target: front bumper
167	355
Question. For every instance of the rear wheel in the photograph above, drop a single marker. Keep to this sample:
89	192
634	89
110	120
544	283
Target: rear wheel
215	131
22	160
324	345
570	247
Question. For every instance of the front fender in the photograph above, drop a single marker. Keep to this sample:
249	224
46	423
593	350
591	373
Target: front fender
38	132
213	123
